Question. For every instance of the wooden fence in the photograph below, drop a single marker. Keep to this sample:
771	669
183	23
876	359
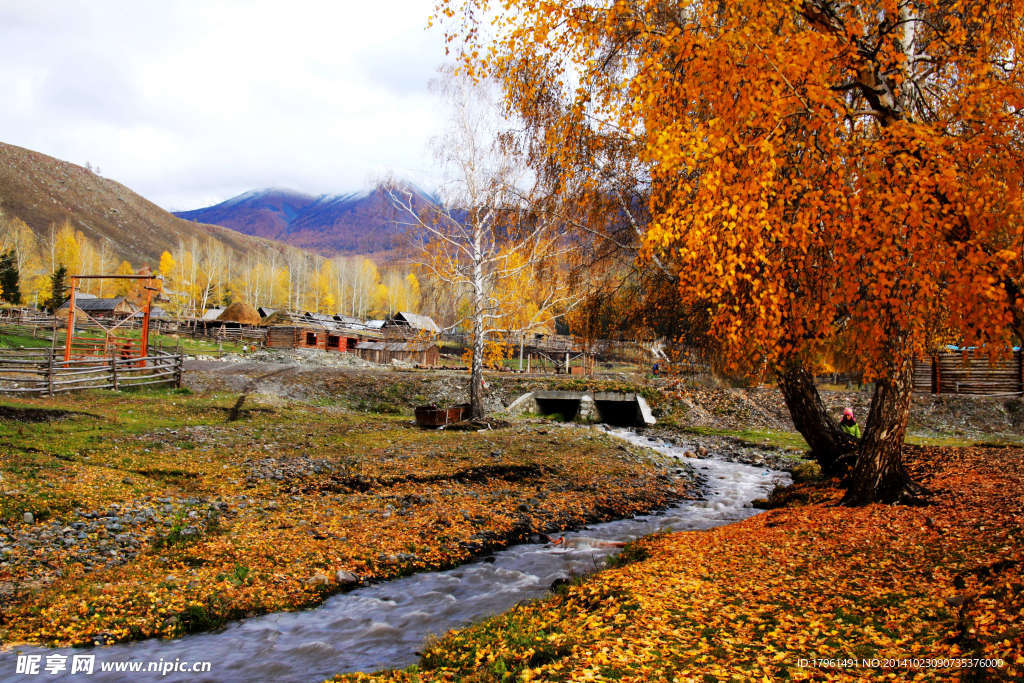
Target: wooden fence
44	371
240	335
970	373
41	325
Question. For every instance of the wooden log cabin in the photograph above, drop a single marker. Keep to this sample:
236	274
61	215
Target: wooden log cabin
312	337
383	352
114	307
970	372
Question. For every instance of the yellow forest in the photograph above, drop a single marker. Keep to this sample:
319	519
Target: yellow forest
203	274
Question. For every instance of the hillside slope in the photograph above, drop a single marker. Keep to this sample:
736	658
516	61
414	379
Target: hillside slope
363	222
44	191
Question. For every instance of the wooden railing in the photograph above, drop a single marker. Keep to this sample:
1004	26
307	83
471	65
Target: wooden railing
44	371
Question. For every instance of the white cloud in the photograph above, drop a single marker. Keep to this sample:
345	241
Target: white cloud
191	102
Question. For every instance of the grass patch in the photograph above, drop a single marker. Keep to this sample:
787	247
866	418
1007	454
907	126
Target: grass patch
13	340
633	552
792	441
961	440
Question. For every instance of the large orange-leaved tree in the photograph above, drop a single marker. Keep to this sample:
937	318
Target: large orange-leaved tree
824	177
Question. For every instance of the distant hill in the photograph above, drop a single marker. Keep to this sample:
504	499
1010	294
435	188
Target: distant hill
43	191
363	222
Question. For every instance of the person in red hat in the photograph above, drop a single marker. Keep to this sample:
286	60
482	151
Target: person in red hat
849	424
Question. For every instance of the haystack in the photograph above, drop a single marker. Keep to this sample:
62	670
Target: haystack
240	313
61	316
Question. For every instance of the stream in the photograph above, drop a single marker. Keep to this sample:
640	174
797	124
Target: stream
383	625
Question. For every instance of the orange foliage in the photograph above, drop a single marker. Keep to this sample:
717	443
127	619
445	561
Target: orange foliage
496	352
823	175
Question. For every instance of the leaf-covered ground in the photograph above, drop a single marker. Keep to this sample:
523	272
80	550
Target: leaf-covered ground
811	591
160	513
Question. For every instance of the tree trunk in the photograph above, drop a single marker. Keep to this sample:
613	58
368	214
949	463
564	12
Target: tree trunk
878	475
828	443
476	380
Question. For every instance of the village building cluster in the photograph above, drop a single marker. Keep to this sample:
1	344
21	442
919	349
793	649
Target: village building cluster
416	339
404	336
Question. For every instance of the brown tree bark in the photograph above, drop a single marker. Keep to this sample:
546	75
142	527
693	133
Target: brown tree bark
828	443
879	475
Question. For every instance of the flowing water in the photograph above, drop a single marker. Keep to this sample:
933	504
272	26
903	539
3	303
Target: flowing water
383	625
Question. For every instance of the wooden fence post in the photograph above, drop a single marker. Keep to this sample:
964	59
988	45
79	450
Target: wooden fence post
179	362
49	373
113	371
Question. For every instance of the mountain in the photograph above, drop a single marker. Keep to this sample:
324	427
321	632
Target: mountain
362	222
44	191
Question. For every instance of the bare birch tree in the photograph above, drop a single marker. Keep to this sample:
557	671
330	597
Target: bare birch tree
484	232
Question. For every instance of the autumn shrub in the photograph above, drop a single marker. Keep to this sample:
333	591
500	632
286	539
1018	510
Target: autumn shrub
198	617
634	552
380	407
806	470
238	576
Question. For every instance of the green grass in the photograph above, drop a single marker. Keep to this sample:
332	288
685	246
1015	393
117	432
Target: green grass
755	437
194	346
961	440
794	441
15	340
188	344
15	337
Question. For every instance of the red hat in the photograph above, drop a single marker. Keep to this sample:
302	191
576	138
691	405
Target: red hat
848	412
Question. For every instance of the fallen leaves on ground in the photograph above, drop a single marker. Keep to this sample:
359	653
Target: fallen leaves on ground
157	515
816	591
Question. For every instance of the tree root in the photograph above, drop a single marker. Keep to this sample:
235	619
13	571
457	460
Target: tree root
909	493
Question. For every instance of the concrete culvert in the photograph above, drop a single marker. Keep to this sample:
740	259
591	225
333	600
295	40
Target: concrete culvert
614	408
619	413
564	409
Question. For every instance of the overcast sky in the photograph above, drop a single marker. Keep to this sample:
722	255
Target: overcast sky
192	102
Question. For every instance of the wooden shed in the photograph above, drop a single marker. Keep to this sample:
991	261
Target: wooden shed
970	372
311	337
99	308
383	352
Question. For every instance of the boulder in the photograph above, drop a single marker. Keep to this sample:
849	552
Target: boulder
318	580
346	578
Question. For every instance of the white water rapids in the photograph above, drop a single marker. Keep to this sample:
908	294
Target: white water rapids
383	625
